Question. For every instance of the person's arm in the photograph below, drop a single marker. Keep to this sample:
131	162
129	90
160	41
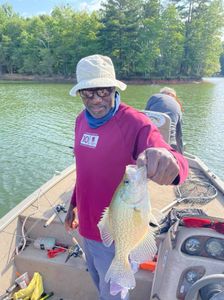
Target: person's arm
164	164
179	136
173	141
71	220
148	104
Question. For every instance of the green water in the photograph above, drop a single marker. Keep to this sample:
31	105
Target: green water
37	120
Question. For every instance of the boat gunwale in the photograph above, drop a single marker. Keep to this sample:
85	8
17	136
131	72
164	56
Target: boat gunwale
218	183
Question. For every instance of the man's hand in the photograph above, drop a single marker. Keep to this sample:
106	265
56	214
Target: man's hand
71	220
161	165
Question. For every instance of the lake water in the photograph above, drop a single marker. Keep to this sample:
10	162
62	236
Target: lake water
37	120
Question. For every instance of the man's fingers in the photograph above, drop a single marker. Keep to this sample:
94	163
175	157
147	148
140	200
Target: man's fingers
141	161
71	220
166	172
161	165
152	165
71	225
75	224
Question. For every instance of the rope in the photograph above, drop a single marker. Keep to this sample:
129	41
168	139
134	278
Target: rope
22	243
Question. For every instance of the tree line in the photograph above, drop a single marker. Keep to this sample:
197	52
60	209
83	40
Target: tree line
146	39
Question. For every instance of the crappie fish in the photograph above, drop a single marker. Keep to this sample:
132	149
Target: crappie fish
126	222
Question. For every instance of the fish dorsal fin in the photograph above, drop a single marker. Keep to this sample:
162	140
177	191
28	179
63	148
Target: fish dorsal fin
145	250
104	227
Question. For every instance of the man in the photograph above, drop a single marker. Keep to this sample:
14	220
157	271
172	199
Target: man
108	136
167	102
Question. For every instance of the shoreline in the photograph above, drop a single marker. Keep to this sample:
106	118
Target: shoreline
72	80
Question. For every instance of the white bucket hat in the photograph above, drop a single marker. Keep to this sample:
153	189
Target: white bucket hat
96	71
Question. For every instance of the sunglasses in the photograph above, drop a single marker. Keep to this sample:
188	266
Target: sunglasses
203	222
101	92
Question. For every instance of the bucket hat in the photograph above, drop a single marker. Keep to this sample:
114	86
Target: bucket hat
96	71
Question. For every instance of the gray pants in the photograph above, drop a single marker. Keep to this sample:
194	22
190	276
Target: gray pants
98	259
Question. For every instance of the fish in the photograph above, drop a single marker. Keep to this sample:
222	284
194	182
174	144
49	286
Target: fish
126	223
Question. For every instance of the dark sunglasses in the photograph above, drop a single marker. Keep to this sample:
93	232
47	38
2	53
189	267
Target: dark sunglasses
101	92
203	222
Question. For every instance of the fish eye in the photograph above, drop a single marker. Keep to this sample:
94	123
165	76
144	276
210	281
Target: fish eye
126	181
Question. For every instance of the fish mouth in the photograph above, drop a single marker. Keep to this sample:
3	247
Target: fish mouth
135	173
134	181
131	168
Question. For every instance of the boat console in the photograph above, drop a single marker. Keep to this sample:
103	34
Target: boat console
190	265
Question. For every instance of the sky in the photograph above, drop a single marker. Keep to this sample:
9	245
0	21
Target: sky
29	8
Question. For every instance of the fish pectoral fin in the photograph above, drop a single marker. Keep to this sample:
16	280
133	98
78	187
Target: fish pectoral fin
145	250
104	227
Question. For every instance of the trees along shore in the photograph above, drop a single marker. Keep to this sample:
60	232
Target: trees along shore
61	79
148	42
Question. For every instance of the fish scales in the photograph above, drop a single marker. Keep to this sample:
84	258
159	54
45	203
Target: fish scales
126	222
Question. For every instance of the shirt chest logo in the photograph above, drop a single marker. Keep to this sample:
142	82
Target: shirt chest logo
89	140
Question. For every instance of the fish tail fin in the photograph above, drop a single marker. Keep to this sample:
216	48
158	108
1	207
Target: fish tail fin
121	274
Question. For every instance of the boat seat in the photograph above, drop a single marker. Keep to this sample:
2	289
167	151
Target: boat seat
162	122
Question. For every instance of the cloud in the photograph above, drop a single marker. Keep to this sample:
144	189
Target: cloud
90	6
27	8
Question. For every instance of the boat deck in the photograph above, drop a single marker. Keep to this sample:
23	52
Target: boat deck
71	280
